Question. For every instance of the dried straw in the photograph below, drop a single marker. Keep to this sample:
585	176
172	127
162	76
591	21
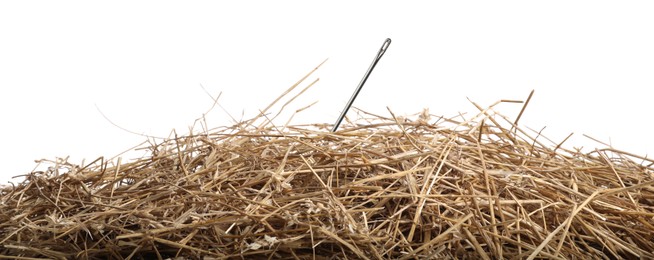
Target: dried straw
381	188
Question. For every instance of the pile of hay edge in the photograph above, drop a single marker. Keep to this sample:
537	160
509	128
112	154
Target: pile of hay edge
379	188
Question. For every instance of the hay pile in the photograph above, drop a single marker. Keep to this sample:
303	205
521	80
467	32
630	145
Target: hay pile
383	188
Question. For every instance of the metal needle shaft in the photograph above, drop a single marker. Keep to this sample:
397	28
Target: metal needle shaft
381	52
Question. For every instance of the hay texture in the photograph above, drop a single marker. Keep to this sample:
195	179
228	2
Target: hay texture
379	188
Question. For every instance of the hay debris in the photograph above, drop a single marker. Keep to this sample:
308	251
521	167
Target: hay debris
382	188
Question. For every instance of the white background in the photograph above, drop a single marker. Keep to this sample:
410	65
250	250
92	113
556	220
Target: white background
142	63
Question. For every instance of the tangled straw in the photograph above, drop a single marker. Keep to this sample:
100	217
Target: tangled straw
381	188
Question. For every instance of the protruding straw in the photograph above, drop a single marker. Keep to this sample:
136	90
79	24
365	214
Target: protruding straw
381	52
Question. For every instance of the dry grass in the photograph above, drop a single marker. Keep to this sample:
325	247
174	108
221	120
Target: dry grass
383	188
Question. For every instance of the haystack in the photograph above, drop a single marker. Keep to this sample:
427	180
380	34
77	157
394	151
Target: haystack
381	187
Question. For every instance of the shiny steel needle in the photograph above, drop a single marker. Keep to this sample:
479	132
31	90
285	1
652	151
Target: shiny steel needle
381	52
